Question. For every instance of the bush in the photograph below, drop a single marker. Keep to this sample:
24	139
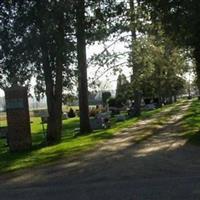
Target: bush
105	97
114	105
71	113
114	102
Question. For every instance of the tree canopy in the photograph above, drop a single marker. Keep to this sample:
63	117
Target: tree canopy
180	20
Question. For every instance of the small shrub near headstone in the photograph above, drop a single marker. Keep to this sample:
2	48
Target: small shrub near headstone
114	102
71	113
115	105
105	97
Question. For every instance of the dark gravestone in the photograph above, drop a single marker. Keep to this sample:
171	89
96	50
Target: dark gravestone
18	119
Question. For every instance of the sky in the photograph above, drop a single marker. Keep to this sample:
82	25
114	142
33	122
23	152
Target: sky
1	93
109	78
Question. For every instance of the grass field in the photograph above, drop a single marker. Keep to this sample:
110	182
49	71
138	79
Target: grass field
69	145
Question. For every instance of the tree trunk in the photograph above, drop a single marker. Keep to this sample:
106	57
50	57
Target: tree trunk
53	124
197	60
137	104
54	88
158	85
82	67
54	127
55	114
137	93
175	98
170	99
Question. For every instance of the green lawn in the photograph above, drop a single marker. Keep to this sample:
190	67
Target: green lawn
69	145
191	123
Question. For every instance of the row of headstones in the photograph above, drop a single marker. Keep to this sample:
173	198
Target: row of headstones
18	119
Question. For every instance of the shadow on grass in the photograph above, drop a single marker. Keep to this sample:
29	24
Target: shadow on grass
153	132
102	136
191	123
69	145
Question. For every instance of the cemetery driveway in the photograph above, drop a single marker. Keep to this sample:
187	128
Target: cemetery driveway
149	161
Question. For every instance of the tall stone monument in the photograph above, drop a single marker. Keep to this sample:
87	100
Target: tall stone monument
18	119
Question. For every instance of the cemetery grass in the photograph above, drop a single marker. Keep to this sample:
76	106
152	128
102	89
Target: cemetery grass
70	146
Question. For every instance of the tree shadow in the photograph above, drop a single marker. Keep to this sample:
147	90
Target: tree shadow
8	160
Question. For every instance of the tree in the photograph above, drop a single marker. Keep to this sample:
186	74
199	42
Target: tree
82	67
94	25
42	29
134	17
123	90
162	66
170	64
105	97
180	20
53	85
53	23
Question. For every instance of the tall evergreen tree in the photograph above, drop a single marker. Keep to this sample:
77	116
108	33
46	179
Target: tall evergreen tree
43	31
82	66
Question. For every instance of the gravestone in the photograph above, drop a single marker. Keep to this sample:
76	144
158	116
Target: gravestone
96	123
104	115
120	118
18	119
150	106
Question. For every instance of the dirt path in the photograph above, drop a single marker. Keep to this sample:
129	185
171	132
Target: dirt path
147	161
